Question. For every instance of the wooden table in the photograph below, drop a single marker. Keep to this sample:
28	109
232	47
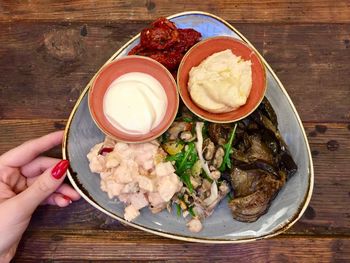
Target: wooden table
49	50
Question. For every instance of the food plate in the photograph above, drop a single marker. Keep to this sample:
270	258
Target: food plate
82	133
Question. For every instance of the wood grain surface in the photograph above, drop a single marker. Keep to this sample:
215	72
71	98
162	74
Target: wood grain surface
110	245
49	50
240	10
58	60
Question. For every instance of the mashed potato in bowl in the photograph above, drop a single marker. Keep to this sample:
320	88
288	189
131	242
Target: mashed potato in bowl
221	83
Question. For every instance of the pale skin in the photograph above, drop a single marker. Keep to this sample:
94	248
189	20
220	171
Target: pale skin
26	182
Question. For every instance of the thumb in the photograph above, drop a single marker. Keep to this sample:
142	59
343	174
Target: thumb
43	187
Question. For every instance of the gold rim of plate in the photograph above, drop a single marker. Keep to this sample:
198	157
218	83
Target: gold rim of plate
280	229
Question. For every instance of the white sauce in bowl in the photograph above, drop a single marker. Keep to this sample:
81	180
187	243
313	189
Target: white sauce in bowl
135	103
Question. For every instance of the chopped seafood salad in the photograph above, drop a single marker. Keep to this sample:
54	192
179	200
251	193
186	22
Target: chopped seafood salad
195	165
136	174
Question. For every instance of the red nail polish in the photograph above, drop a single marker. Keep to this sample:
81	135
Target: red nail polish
67	198
60	169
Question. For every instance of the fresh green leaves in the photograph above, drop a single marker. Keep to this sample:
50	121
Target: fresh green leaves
186	179
190	157
226	163
184	161
178	210
186	119
190	210
205	130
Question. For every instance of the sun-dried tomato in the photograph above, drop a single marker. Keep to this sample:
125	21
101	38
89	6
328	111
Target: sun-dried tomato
187	38
105	150
163	42
159	38
163	22
169	59
136	50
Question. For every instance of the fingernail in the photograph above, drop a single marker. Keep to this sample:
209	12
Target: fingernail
60	169
67	198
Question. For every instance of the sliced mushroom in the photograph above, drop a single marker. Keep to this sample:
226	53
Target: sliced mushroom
178	127
219	133
219	157
208	150
195	181
215	174
187	136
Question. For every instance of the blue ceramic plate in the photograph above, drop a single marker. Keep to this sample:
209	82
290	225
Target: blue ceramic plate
82	133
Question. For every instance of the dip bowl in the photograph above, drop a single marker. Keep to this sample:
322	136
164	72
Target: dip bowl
206	48
114	70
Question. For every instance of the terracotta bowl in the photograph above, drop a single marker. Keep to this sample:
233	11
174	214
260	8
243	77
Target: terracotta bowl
204	49
114	70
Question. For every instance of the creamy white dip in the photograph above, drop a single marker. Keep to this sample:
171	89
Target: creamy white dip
135	103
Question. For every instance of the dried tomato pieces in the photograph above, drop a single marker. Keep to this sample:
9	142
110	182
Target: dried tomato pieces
165	43
105	150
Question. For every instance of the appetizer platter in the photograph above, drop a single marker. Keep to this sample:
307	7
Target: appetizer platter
180	157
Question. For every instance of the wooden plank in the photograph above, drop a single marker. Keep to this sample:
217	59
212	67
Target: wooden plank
329	209
45	66
239	10
328	213
15	132
312	63
99	245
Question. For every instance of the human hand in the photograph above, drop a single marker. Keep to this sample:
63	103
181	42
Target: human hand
26	181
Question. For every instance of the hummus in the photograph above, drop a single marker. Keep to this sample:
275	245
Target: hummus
221	83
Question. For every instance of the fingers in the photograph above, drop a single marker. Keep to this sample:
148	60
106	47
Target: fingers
13	178
38	166
26	152
65	192
58	199
41	189
64	189
5	192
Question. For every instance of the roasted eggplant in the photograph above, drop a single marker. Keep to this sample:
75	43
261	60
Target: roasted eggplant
261	164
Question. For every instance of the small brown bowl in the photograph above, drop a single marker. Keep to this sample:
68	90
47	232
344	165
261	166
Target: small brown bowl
204	49
114	70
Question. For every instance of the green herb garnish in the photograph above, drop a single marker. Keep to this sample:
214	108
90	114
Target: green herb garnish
205	130
187	119
188	159
190	210
228	150
186	179
175	157
184	161
178	209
